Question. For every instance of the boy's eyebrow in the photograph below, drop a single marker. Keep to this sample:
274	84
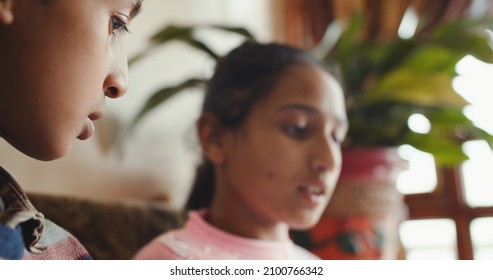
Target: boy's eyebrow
136	8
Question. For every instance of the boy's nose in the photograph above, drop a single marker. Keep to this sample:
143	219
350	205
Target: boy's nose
116	84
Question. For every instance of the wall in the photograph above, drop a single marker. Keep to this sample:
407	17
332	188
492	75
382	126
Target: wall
157	162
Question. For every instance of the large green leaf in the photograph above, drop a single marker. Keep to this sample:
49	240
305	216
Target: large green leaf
420	88
161	96
186	34
466	36
348	40
445	151
234	29
458	125
172	32
431	59
379	124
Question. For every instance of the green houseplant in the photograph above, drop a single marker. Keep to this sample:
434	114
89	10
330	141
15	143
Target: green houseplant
387	82
384	82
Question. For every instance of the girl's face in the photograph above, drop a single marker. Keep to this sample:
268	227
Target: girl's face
58	61
283	163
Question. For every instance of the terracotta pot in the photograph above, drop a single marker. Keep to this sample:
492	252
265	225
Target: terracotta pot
362	219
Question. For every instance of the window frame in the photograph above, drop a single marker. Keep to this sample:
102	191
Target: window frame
448	201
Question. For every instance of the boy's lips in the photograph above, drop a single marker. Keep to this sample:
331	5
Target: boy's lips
96	115
88	129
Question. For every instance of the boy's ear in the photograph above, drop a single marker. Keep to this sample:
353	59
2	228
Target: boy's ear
213	138
6	14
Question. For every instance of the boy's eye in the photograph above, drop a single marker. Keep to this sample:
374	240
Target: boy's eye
118	25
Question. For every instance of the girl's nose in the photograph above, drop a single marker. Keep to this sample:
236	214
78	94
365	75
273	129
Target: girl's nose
326	156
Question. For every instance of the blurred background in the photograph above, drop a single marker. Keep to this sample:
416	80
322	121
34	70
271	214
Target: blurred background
445	210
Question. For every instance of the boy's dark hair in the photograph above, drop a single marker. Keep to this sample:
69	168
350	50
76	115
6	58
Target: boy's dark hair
242	77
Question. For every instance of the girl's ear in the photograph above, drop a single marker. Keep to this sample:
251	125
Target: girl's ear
6	14
213	138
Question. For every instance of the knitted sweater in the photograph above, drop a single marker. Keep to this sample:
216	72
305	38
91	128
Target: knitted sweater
26	234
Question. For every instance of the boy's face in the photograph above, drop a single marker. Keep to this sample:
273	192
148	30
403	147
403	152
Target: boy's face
283	163
58	61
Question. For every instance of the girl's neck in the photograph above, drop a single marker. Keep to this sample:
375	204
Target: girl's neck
232	218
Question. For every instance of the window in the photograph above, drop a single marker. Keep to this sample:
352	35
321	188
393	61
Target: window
429	239
464	196
482	237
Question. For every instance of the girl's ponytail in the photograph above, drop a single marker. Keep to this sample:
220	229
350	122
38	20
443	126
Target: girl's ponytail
203	187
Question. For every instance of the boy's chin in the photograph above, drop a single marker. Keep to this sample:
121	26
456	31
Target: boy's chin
50	152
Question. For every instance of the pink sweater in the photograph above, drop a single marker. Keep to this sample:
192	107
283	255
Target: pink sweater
199	240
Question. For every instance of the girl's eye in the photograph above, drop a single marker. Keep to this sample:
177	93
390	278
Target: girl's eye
296	131
337	138
118	25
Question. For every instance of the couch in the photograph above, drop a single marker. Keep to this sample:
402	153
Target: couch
110	230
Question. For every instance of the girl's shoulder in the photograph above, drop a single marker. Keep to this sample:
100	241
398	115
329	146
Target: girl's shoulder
195	240
192	241
159	249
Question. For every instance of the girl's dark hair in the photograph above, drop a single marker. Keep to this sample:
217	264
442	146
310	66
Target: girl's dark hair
242	77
